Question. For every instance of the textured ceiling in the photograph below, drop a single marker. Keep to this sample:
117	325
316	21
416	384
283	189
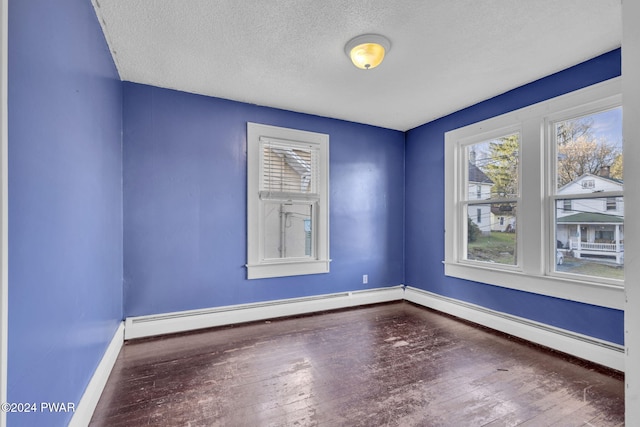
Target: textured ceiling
289	54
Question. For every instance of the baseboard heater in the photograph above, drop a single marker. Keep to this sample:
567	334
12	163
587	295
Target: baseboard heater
582	346
592	349
146	326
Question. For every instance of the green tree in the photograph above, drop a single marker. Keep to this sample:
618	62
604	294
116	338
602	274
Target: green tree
617	168
473	231
502	167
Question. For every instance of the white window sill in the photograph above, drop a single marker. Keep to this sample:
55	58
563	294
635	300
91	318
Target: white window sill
287	268
599	294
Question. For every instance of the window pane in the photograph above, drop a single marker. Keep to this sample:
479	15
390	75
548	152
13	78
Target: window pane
288	169
493	238
590	230
287	230
589	151
590	238
493	168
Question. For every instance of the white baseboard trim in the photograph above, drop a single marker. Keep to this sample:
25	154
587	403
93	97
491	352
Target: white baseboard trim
582	346
146	326
89	401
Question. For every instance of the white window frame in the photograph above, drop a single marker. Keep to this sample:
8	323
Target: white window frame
594	107
257	265
535	267
465	198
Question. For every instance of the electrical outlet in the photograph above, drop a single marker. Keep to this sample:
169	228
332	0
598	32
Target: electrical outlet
365	278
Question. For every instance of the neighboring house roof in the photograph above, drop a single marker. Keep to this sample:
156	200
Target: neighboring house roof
591	218
476	175
616	182
301	166
619	181
502	210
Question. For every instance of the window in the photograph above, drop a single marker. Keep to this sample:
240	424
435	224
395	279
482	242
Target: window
588	165
537	185
588	183
287	202
492	167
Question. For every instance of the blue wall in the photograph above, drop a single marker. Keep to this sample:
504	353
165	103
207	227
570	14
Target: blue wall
185	203
183	206
65	203
425	214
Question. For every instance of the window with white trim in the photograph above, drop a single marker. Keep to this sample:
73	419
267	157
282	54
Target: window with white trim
587	153
551	201
287	202
492	165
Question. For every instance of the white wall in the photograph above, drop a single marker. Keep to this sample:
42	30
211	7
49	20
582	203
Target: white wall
631	107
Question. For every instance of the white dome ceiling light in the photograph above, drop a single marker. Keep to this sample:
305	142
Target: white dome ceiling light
368	50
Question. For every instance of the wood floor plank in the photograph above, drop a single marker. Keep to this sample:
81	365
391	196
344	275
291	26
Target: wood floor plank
391	364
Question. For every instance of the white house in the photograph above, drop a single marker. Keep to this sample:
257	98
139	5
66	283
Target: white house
591	227
503	218
479	189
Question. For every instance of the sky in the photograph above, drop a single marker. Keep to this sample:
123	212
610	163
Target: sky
608	125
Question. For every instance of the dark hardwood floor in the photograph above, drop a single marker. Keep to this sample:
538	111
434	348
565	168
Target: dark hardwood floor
386	365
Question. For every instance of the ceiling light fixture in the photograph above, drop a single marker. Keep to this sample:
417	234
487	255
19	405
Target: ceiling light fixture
367	51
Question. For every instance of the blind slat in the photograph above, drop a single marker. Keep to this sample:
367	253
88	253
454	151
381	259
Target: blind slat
288	167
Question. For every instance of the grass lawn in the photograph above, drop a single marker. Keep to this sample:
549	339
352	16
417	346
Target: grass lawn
495	247
500	248
589	267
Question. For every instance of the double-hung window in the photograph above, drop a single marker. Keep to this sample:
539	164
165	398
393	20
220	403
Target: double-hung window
534	198
491	166
287	202
586	171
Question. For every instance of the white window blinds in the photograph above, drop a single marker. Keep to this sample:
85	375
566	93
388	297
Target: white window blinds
288	169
